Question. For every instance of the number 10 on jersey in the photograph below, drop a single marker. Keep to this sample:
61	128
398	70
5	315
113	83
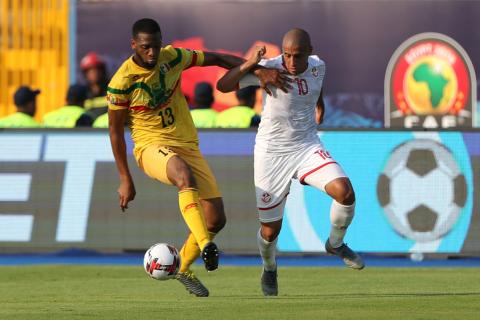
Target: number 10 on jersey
302	86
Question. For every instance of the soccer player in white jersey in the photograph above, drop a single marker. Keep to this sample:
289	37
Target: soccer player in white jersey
287	147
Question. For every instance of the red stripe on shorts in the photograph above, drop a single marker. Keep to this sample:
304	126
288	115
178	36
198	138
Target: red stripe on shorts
312	171
274	205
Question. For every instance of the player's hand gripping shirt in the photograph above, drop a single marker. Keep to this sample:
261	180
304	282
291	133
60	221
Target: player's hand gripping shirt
288	119
157	109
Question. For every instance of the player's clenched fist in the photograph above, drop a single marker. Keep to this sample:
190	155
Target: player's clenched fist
257	55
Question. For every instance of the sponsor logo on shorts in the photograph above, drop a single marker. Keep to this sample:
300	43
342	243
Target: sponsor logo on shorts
266	197
315	72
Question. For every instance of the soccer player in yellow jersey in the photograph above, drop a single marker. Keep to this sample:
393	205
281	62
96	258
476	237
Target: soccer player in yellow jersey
145	90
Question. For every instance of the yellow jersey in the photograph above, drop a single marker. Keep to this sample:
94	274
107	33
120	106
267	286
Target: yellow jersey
157	109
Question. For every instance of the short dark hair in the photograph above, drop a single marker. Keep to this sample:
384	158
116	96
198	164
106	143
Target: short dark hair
145	25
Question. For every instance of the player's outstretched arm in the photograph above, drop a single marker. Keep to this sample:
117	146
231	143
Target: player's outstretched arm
266	76
223	60
229	82
126	190
320	109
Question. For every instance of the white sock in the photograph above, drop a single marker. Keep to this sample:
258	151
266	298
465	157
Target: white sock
340	217
267	252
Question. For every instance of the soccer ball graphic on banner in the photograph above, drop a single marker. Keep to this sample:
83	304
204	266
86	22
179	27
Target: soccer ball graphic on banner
161	261
422	190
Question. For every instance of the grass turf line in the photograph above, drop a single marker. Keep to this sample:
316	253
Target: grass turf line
122	292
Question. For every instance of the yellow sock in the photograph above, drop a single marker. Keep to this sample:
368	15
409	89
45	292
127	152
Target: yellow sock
192	212
190	252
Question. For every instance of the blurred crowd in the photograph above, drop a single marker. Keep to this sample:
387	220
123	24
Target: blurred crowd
86	104
241	115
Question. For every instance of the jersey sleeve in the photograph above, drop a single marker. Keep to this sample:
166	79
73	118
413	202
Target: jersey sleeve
118	93
248	80
191	58
267	63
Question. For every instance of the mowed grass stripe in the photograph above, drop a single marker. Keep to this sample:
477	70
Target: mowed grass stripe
122	292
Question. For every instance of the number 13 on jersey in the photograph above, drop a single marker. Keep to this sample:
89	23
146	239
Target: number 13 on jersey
167	117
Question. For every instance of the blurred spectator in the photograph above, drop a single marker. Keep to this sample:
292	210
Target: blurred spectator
243	115
353	110
337	117
95	73
25	100
202	114
71	115
101	121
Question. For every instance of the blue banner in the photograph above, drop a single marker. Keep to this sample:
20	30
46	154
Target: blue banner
414	191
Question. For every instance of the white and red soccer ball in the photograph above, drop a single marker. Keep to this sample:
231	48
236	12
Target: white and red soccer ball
161	261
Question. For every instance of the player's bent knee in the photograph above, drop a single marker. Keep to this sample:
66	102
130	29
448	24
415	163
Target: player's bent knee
270	235
271	230
214	214
341	190
216	225
347	197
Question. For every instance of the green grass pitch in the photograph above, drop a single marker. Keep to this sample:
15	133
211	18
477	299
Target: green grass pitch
125	292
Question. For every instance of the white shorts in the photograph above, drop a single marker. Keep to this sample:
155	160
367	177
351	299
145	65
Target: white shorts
274	173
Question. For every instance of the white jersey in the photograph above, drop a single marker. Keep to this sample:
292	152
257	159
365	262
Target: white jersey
288	119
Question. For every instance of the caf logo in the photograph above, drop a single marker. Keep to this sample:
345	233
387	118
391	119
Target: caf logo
430	83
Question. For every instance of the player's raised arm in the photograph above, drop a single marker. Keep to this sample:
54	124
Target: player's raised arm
229	82
223	60
126	190
266	76
320	109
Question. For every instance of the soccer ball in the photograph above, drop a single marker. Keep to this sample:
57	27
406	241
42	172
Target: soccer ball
422	190
161	261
